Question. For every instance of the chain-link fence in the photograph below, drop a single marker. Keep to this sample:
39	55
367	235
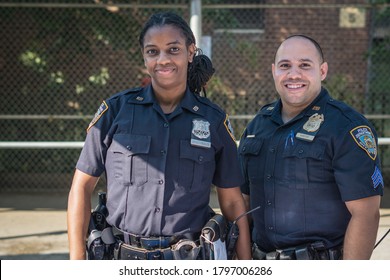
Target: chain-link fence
59	59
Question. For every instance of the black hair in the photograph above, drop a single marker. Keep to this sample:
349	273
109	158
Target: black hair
201	69
314	42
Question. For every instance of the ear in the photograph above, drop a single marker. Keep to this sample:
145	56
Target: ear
191	52
324	70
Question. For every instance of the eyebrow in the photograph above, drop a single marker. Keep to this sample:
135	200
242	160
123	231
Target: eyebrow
301	60
176	42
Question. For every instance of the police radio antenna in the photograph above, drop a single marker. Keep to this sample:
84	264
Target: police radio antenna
383	237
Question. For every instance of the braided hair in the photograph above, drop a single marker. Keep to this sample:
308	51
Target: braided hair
200	70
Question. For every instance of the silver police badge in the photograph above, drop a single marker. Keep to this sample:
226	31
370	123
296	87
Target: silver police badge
314	123
200	134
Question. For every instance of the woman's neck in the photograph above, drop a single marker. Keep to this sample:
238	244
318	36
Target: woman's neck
168	99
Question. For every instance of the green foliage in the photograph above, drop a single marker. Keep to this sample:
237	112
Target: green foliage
338	86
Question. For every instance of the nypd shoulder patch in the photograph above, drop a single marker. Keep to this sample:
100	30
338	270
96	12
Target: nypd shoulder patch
365	139
229	127
102	109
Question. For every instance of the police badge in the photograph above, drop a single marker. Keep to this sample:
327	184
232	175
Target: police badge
313	123
200	134
311	127
364	137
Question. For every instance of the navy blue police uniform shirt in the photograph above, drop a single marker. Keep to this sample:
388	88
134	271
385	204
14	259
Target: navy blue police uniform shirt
160	168
301	173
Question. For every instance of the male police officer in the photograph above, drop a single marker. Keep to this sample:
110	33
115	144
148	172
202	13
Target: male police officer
311	163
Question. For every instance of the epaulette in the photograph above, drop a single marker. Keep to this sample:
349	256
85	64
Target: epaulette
267	108
126	91
208	102
106	103
345	110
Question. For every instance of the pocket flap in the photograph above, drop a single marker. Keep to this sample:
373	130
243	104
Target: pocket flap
130	144
315	151
199	155
250	146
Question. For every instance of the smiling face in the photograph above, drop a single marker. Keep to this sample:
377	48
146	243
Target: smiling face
166	57
298	72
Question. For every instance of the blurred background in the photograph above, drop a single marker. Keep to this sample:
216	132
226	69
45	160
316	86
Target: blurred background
60	58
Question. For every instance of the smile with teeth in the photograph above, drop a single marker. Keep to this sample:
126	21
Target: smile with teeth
294	86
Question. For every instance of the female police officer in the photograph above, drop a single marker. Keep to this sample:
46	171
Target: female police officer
161	148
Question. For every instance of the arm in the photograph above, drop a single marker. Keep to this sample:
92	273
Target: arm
232	205
79	212
362	229
247	201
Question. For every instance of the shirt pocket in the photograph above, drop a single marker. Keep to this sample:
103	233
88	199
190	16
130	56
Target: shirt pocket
196	167
129	159
249	150
303	165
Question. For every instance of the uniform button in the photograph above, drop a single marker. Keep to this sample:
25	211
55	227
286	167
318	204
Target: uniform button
272	150
160	182
269	202
162	152
269	176
200	158
166	125
270	228
243	149
300	151
129	148
157	210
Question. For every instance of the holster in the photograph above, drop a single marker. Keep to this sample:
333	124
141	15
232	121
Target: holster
100	244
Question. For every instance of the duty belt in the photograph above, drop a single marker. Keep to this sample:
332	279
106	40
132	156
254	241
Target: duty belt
127	252
312	251
149	243
136	247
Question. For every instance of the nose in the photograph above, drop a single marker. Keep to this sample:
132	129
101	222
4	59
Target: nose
294	73
163	58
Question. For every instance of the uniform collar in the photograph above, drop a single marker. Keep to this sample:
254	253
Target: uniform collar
317	106
144	96
190	102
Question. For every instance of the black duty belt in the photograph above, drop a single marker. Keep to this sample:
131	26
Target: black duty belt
136	247
127	252
149	243
182	250
312	251
154	242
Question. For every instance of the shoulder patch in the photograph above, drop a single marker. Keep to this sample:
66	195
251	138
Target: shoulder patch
102	109
229	127
365	139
